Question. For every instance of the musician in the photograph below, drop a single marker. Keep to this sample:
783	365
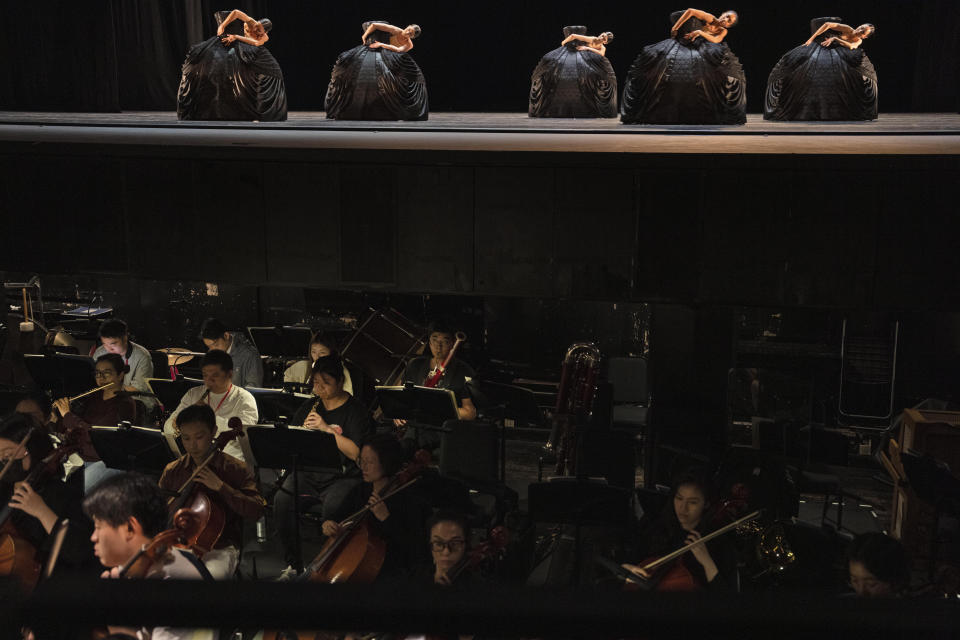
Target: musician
301	372
115	338
686	518
37	405
228	481
449	543
248	368
331	410
878	566
128	510
458	372
218	392
398	519
39	506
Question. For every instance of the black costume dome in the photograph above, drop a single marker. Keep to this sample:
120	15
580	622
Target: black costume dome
568	83
376	84
676	81
822	83
231	82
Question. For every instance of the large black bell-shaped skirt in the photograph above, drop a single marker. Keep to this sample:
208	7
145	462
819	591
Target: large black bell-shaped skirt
822	83
235	82
376	84
573	84
679	82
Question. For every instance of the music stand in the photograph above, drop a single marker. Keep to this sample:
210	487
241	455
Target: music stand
272	404
295	449
61	374
170	392
283	342
419	404
132	448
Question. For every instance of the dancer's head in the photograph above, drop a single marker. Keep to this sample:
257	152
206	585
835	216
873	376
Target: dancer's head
606	37
728	18
412	31
864	31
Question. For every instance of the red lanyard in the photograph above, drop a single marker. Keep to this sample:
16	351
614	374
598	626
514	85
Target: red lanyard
221	399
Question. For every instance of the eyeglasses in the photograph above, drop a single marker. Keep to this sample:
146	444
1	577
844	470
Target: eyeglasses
455	545
102	373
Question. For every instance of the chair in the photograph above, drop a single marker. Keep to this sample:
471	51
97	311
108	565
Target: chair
868	368
630	392
470	453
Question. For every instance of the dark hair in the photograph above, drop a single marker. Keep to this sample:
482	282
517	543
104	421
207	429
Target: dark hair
125	496
41	399
113	329
212	329
882	556
116	361
325	340
441	326
218	357
198	413
330	365
389	451
266	23
450	516
15	426
609	35
736	16
416	30
691	476
873	29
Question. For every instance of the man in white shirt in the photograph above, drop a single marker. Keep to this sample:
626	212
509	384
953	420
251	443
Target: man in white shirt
248	368
115	338
220	394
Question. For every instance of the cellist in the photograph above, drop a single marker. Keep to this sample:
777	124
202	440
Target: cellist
128	511
36	508
226	479
684	520
398	520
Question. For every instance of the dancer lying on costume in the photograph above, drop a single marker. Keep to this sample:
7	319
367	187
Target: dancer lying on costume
254	31
714	30
847	36
596	44
401	40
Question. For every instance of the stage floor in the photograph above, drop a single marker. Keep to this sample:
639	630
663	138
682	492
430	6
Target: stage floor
896	134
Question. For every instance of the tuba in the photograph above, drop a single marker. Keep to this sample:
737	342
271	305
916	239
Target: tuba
578	387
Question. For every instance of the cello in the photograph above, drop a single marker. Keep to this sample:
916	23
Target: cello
209	515
18	556
357	553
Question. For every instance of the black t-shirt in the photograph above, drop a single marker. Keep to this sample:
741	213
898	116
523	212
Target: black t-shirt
454	378
352	417
662	539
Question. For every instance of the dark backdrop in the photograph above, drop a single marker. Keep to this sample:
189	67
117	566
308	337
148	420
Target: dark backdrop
476	56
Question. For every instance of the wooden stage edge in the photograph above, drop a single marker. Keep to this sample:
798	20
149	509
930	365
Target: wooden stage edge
925	134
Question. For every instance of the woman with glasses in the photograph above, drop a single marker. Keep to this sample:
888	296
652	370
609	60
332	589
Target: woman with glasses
399	519
108	407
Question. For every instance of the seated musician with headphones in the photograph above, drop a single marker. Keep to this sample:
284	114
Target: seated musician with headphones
457	372
332	410
685	518
39	503
128	513
228	482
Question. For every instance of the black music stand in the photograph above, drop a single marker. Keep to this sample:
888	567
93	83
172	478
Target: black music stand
132	448
61	374
285	342
420	404
170	392
274	404
297	450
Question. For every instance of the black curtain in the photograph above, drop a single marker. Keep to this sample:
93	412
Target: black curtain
58	56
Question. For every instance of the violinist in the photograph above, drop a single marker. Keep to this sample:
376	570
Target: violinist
878	566
35	506
227	480
449	545
685	518
38	405
398	520
220	394
455	377
128	511
108	407
332	410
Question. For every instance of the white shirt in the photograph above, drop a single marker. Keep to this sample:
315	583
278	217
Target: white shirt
236	402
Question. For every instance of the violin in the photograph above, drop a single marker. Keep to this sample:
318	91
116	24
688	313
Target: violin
669	573
487	549
18	556
185	526
211	516
357	553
